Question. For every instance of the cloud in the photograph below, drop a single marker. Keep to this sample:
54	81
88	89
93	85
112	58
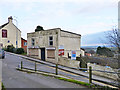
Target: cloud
59	13
59	0
90	28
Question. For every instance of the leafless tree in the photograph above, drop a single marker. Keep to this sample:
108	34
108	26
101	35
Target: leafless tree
114	38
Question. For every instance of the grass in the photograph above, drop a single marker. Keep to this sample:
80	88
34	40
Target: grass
3	87
87	84
94	86
74	81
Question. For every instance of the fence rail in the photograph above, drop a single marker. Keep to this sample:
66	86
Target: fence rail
100	70
57	66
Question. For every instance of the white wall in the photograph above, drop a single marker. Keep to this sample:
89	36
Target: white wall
70	42
11	35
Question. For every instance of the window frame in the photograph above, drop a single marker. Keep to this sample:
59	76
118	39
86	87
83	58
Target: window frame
25	43
33	41
50	40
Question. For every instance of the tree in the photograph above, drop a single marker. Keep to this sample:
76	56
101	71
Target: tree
114	38
92	51
104	51
39	28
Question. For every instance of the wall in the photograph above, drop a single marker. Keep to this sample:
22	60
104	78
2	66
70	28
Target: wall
103	68
42	40
67	62
70	42
82	52
22	44
11	35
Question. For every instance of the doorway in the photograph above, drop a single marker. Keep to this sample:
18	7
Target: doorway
43	54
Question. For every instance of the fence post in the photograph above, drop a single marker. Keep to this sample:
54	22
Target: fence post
21	65
35	67
90	74
56	69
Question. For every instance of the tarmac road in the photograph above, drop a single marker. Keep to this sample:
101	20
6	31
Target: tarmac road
12	78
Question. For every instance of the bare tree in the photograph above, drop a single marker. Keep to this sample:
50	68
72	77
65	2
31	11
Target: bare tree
114	38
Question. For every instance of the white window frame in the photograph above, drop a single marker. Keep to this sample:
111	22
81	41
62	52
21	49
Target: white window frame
50	40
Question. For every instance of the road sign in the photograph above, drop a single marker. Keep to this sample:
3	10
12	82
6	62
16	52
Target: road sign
73	55
61	50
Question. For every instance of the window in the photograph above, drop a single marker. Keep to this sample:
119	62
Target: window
51	54
4	33
25	43
51	40
33	41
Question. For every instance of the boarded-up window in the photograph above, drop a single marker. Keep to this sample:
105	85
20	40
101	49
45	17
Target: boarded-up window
33	52
50	53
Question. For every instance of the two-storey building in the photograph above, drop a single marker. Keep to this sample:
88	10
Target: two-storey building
10	34
47	44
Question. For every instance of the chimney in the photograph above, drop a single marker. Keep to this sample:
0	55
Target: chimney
10	19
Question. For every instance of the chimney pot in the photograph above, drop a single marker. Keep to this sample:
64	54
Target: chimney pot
10	19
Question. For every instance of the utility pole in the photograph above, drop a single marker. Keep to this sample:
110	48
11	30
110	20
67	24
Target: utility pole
57	53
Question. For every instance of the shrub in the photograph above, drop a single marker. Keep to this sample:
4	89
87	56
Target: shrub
104	51
20	50
10	48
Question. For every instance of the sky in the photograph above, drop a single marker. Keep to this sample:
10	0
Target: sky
78	16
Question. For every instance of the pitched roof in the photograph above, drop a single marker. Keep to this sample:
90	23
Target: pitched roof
7	24
3	25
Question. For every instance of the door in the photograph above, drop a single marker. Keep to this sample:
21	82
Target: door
43	54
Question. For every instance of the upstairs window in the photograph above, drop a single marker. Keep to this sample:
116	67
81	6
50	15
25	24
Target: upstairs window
33	41
4	33
50	40
25	43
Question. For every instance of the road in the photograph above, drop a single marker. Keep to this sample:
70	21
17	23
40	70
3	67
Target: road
13	78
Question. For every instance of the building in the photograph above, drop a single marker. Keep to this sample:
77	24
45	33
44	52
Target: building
48	44
24	44
82	52
88	54
10	34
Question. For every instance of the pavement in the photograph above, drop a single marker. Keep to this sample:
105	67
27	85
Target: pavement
95	79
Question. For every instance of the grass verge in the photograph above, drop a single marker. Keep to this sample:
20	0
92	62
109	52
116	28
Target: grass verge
75	81
94	86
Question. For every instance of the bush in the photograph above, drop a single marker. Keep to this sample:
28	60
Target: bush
10	48
20	50
104	51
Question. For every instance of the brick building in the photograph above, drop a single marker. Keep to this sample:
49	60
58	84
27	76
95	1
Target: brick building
24	44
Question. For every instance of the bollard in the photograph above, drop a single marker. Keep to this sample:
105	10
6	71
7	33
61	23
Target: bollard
35	67
56	69
90	74
21	65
